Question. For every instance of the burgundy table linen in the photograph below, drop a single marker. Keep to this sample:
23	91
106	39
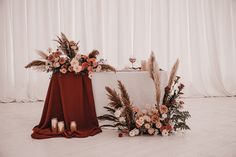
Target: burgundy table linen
69	98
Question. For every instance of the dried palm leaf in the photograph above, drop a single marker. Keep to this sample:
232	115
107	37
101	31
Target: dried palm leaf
42	54
113	126
106	67
173	73
108	117
35	63
124	93
114	98
109	109
154	72
65	46
63	37
93	54
128	107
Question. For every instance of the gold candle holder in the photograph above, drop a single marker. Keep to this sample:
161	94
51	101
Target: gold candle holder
73	126
54	124
61	126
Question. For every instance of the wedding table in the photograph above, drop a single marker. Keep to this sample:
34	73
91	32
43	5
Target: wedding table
77	98
69	98
138	84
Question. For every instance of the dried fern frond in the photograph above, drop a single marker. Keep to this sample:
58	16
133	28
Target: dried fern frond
42	54
93	54
154	72
65	46
128	107
113	126
124	93
106	67
151	62
173	73
114	98
109	109
35	63
108	117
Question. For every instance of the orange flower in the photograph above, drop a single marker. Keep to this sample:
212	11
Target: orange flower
155	118
62	60
163	109
84	65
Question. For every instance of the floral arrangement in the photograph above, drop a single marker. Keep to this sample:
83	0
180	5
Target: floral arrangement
163	118
66	59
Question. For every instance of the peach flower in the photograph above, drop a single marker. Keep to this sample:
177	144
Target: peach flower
158	125
163	109
155	118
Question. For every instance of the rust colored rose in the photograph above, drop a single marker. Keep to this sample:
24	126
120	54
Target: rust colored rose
163	109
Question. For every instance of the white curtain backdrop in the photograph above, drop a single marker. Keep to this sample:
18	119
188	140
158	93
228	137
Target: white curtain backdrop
201	33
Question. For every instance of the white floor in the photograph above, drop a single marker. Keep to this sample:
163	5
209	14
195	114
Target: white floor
213	134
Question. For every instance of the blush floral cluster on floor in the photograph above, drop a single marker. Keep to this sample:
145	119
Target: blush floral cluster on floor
163	118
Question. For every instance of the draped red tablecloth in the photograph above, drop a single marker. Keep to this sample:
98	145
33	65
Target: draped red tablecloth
69	98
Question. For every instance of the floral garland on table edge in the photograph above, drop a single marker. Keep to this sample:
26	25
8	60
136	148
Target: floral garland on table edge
66	59
162	119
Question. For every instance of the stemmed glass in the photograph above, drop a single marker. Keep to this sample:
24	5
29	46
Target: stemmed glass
132	59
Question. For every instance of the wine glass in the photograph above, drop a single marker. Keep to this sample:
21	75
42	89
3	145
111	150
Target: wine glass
132	59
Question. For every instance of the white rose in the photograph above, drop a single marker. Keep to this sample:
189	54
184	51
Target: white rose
158	125
147	125
99	68
117	113
56	59
141	119
77	69
136	131
56	64
156	132
147	118
74	62
90	75
163	116
164	132
132	133
122	119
